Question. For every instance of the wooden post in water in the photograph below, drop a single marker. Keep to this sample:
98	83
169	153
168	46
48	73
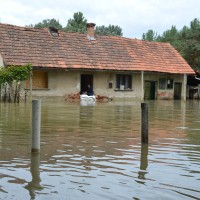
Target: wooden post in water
36	123
144	123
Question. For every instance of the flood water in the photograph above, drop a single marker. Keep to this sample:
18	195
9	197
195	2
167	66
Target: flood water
95	152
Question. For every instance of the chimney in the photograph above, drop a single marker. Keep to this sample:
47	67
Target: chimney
90	31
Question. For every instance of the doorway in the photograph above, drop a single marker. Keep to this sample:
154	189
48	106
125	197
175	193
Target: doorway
177	90
150	90
86	79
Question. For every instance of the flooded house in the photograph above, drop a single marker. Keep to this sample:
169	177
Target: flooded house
117	67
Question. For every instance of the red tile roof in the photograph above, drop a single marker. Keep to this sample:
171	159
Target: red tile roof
22	45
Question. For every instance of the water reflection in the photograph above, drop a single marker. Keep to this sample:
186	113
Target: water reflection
86	112
94	152
34	185
143	163
87	103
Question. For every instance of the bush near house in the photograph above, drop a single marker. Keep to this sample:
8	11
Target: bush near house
10	81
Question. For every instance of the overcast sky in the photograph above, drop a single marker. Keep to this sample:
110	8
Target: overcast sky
135	17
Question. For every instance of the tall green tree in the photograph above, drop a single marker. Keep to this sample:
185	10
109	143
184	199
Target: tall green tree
109	30
169	35
48	23
186	41
190	37
150	35
173	37
77	23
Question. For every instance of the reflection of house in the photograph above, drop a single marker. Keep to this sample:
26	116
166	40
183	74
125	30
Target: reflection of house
115	66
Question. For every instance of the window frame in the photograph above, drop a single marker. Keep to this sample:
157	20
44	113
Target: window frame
162	83
166	83
170	84
41	77
123	80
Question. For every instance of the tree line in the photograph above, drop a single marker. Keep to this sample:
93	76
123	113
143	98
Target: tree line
78	24
186	41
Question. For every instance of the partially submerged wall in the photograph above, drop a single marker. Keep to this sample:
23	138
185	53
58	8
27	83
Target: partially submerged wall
104	83
69	82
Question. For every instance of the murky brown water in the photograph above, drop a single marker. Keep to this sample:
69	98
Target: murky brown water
94	152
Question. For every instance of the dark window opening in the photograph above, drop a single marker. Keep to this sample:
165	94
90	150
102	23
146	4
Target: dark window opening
124	82
110	85
53	31
166	83
170	84
162	83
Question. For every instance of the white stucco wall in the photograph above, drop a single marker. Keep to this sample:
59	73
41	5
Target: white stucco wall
101	85
59	84
165	93
68	82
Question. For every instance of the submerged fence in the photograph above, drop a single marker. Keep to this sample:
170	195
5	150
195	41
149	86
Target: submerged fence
10	92
13	93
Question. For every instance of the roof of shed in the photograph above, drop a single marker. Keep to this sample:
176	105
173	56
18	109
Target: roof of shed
22	45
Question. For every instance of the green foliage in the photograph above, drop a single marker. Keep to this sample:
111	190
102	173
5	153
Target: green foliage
48	23
77	24
190	37
4	76
150	35
110	30
169	35
13	73
186	41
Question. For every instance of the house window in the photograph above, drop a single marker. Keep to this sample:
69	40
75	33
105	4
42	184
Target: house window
123	82
169	83
162	83
39	80
166	83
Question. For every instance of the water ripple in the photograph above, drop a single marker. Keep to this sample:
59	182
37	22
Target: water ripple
95	152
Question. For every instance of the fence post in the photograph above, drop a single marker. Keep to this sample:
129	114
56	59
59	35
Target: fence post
144	123
36	123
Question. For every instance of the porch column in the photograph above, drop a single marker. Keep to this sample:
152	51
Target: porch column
184	87
142	85
1	61
31	85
